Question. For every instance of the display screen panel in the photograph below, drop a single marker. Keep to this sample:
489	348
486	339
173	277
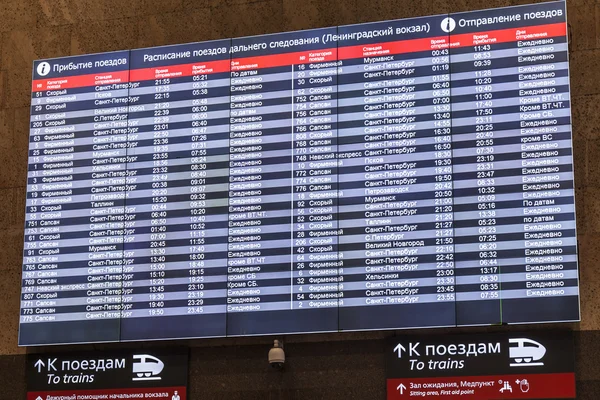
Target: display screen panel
399	174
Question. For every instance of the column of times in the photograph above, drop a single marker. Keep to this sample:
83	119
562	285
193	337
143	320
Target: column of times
179	110
514	216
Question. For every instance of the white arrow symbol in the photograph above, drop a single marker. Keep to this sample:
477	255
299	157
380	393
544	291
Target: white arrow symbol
39	398
399	348
401	388
39	364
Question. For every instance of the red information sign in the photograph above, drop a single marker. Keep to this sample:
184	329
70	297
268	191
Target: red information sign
522	386
166	393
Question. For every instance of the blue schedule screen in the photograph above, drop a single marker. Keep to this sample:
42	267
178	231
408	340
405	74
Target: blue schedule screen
399	174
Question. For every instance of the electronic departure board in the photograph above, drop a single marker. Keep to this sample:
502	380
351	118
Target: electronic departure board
398	174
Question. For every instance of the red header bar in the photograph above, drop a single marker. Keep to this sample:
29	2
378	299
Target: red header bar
398	47
279	60
509	35
178	71
69	82
496	387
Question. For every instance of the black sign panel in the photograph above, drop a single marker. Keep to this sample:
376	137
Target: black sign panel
531	365
400	174
162	372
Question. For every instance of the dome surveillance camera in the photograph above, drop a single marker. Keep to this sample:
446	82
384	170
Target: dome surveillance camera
277	355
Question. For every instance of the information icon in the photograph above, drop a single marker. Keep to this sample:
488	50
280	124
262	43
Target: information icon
43	68
448	24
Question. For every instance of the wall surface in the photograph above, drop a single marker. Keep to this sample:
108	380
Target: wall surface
348	366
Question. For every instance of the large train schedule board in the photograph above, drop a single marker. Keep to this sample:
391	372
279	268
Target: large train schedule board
398	174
